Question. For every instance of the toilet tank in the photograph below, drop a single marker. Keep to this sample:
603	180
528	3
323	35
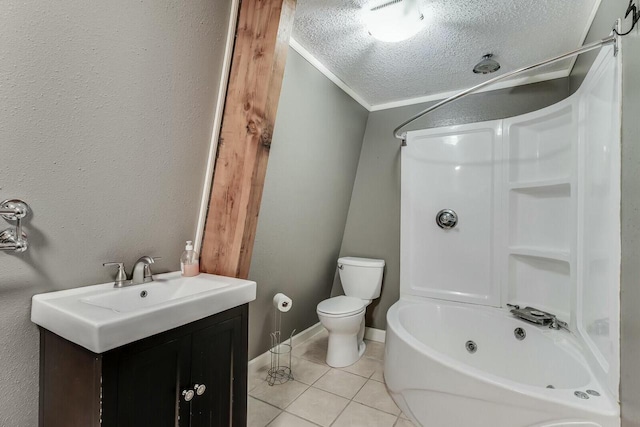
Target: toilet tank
361	277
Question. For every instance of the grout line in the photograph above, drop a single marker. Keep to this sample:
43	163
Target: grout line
349	401
302	418
377	409
267	403
341	412
270	404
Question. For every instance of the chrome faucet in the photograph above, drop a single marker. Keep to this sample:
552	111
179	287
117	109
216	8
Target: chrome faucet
539	317
558	324
142	270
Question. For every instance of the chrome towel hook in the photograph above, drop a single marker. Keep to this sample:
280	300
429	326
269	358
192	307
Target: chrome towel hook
13	238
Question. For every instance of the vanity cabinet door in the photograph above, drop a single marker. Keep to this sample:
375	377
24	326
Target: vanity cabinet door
217	351
150	380
140	384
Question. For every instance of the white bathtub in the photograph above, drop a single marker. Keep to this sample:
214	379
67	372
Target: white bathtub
437	382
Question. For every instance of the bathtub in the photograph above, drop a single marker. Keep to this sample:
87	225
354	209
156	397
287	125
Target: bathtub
506	382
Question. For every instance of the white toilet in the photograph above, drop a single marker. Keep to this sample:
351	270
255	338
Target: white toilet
343	316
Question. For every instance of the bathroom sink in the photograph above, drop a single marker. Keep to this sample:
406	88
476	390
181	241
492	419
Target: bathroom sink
101	317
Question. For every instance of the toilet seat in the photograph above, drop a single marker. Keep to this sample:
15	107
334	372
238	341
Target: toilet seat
341	306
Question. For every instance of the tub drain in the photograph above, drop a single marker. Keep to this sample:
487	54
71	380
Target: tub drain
471	346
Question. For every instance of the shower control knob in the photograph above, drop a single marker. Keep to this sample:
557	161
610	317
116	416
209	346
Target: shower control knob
200	389
446	219
188	395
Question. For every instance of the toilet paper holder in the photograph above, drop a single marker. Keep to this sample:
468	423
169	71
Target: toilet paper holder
280	369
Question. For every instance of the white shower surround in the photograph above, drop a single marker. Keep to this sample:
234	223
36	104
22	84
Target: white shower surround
538	199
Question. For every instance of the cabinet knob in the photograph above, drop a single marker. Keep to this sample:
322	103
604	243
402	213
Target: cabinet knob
188	395
200	389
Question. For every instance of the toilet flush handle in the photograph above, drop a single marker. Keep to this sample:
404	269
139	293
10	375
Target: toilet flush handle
340	266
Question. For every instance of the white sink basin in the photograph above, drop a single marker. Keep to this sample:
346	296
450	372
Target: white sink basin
101	317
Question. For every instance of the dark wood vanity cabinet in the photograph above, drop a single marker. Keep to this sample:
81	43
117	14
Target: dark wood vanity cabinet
146	383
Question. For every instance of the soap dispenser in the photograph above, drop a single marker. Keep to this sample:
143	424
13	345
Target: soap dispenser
189	261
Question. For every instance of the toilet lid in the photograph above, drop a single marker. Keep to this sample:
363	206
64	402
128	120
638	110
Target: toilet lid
341	305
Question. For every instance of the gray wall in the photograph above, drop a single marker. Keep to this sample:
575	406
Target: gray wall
373	223
630	210
312	165
630	214
106	111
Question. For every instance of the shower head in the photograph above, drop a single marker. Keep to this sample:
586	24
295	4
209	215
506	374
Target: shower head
487	65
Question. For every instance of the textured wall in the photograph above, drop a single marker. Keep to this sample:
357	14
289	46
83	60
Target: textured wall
373	224
312	165
106	111
630	210
608	13
630	215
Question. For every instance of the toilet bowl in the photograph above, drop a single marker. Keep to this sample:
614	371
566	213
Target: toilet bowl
343	316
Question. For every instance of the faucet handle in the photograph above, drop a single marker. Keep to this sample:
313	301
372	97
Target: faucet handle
559	324
147	275
121	277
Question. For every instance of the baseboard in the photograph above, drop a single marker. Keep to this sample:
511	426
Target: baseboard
374	334
258	362
265	358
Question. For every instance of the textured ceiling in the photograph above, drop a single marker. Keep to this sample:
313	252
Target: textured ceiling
440	57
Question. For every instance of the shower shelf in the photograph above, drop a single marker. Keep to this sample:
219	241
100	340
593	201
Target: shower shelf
540	253
546	183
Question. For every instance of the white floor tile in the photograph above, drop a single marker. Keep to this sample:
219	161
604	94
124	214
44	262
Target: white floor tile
341	383
374	350
280	395
318	406
378	375
289	420
314	349
357	415
364	367
404	423
259	414
257	377
306	371
374	394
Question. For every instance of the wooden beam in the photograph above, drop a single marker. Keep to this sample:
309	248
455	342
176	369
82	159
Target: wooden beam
257	69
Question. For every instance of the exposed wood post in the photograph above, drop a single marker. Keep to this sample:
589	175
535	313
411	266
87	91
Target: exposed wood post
257	69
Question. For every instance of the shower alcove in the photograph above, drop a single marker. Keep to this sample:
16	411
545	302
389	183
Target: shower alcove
538	199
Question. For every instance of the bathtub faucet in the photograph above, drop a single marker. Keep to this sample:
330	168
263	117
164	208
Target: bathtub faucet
539	317
558	324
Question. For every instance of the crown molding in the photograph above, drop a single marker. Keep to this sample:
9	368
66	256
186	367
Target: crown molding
421	99
592	17
327	73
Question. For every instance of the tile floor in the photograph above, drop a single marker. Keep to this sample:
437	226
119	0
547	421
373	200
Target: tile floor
354	396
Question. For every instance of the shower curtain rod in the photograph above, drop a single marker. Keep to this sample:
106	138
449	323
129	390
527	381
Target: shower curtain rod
586	48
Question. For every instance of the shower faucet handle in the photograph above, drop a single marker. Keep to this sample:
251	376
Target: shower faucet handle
446	219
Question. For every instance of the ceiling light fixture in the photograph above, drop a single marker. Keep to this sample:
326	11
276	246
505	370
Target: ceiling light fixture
393	20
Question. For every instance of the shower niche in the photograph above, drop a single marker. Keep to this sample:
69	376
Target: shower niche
540	193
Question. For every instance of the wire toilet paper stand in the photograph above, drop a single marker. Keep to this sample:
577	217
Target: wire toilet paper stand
280	371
